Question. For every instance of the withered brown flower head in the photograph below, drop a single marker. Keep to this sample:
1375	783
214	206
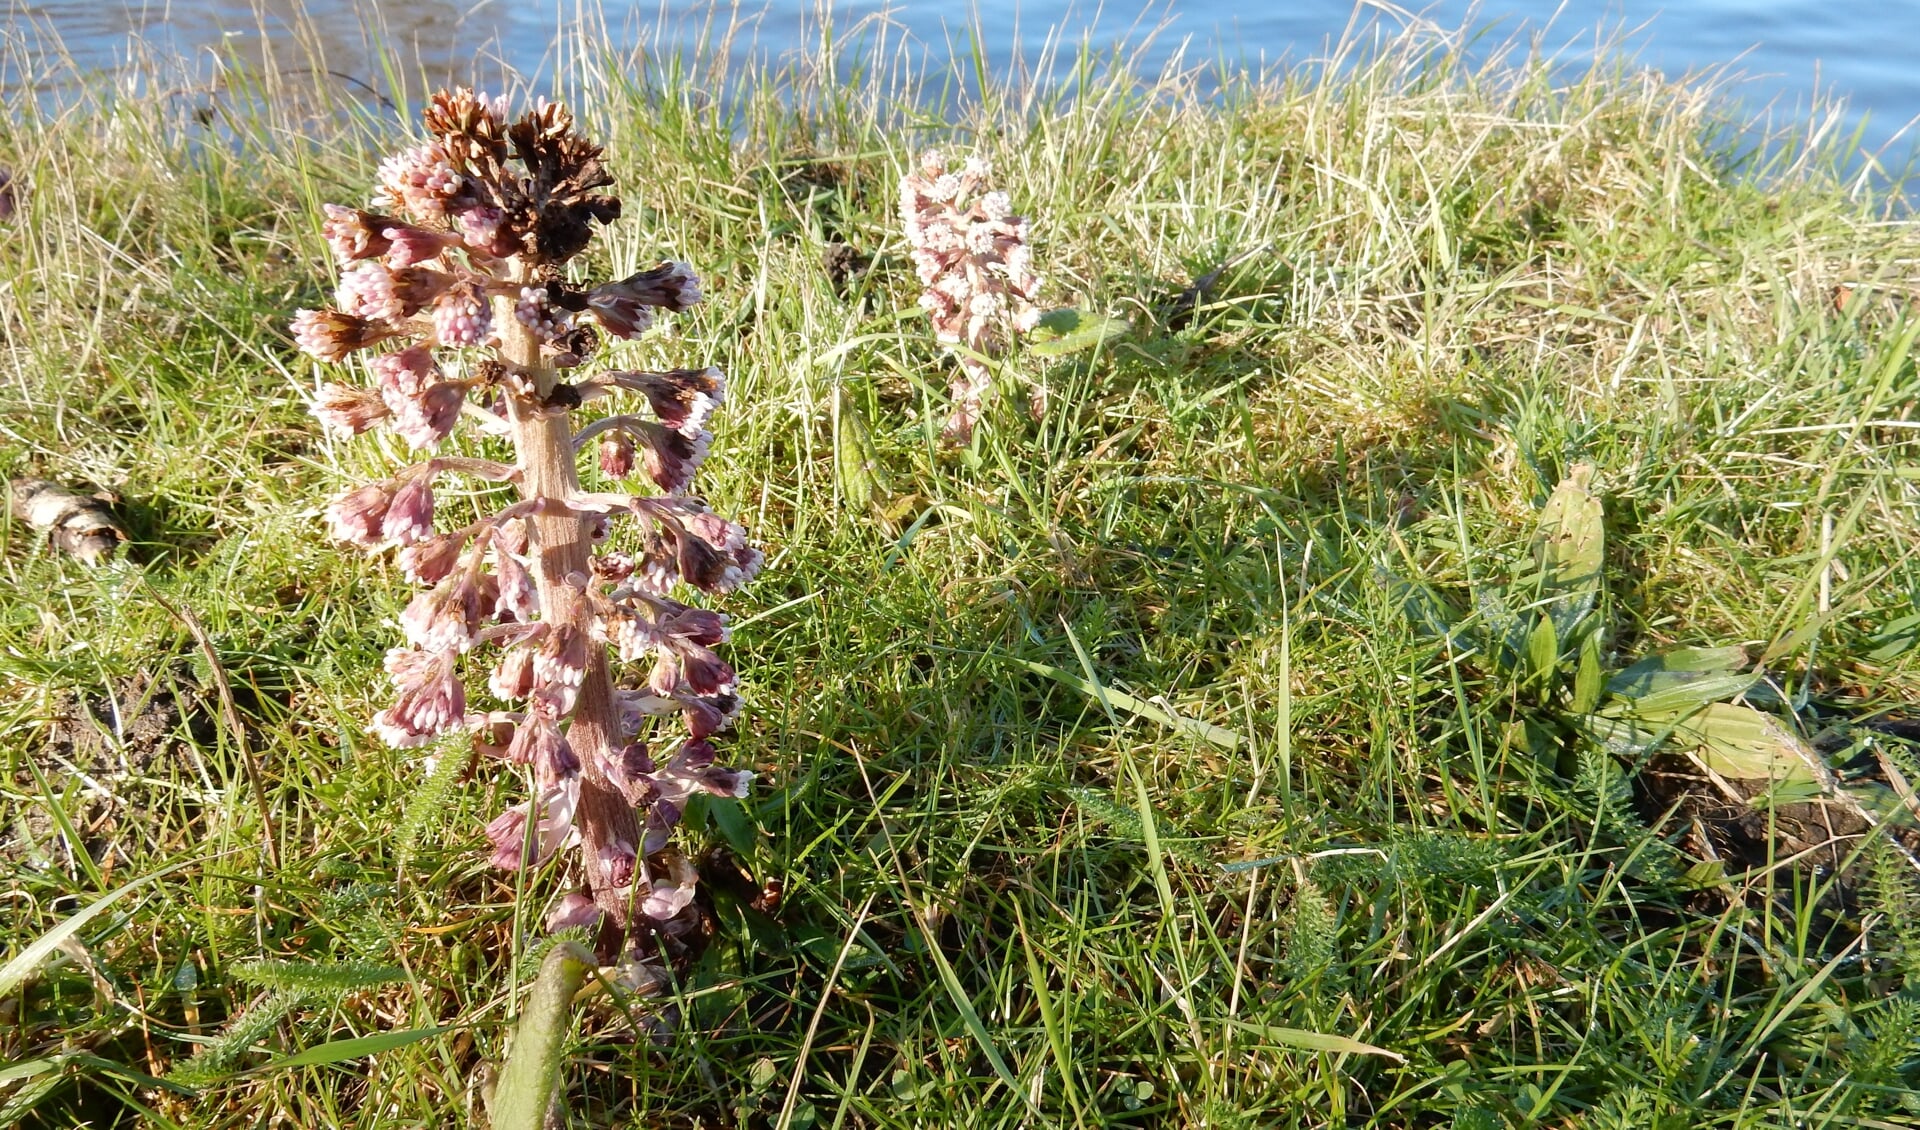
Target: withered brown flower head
563	170
472	131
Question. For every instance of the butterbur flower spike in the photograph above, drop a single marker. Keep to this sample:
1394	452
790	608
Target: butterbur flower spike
455	275
970	253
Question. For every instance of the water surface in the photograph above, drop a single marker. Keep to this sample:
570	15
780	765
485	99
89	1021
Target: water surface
1792	52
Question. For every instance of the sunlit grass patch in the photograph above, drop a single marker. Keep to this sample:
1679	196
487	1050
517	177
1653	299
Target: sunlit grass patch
1110	772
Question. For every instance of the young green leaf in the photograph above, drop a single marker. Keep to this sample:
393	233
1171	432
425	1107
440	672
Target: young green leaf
1681	665
1543	651
1587	677
335	978
1681	697
1569	547
1067	330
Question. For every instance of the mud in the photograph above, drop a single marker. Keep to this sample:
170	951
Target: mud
122	760
1786	847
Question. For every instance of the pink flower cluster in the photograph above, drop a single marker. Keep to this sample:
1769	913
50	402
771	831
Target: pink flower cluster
464	289
970	253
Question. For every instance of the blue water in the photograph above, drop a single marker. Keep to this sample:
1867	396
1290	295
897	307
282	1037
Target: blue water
1793	54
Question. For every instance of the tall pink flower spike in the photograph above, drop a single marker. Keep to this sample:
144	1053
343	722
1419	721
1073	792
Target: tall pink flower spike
458	280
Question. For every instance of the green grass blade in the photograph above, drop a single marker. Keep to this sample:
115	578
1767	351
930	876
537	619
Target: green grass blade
1110	699
969	1017
22	965
1313	1041
357	1047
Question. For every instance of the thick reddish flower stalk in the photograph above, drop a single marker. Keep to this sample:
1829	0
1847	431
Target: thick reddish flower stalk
970	253
464	293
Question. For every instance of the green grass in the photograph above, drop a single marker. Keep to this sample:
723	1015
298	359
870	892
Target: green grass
1012	897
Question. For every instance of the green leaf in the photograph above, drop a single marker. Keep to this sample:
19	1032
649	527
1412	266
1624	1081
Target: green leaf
1067	330
1742	743
762	1074
1110	698
1681	665
337	978
214	1059
1895	640
426	807
1543	650
1689	695
339	1051
1618	735
1313	1041
1587	677
532	1070
1569	546
857	461
1705	874
1792	790
1049	1015
730	816
1125	823
27	1069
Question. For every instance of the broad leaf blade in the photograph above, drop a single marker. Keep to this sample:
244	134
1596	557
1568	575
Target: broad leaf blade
1543	650
1587	676
1622	737
857	460
1689	695
1742	743
1067	330
1569	547
1681	665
